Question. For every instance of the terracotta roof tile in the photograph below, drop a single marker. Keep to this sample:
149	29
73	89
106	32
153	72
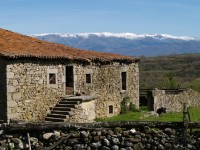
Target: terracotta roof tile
17	45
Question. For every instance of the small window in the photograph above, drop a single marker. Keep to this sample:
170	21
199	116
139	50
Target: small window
123	78
88	78
52	78
110	109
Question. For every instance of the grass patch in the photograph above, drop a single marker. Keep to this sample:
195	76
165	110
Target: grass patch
136	116
168	117
143	108
194	114
132	116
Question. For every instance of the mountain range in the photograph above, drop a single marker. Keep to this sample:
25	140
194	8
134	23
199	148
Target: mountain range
127	43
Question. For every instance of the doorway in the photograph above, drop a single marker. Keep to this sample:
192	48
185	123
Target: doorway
69	80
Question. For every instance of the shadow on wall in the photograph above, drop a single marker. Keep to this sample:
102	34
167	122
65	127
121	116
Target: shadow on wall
3	90
147	99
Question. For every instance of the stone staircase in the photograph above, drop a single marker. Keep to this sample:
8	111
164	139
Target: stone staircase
63	110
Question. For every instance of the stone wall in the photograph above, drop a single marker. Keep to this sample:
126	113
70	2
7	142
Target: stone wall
30	96
85	112
106	83
174	102
114	138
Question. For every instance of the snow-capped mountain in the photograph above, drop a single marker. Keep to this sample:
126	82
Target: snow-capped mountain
127	43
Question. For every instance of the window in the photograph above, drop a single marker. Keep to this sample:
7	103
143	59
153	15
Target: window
52	81
52	78
123	78
88	78
110	109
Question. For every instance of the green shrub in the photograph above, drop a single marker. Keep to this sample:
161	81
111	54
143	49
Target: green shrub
127	106
195	84
132	107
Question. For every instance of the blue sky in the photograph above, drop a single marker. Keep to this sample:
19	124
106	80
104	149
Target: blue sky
176	17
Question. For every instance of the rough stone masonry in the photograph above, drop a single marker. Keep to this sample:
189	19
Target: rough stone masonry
76	137
30	97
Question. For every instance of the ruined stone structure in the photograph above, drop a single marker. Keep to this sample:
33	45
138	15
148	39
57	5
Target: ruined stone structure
38	78
173	102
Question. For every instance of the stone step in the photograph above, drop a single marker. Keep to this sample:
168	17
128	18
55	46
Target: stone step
52	119
70	102
74	100
62	112
64	109
66	106
61	116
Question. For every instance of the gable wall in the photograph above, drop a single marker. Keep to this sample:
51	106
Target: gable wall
28	94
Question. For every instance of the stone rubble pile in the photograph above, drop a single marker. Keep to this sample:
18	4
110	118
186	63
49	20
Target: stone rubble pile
101	139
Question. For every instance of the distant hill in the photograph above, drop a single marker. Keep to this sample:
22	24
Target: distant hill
127	43
175	71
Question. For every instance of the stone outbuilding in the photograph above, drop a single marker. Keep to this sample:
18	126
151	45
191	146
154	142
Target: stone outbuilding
47	81
172	100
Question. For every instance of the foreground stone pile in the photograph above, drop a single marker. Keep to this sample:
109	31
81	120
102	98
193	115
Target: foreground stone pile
102	139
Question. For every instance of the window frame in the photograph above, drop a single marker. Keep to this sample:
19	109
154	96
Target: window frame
124	80
110	109
88	78
52	72
52	80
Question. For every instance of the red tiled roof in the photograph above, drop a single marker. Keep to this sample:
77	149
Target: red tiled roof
16	45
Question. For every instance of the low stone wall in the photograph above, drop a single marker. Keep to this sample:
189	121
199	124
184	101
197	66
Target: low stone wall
85	112
115	138
174	102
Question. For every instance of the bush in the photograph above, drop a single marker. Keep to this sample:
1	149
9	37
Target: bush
195	85
127	106
132	107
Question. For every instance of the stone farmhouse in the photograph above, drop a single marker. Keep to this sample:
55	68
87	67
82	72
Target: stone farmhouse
47	81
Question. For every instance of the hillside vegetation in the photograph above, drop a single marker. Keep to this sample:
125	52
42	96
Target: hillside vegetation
174	71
